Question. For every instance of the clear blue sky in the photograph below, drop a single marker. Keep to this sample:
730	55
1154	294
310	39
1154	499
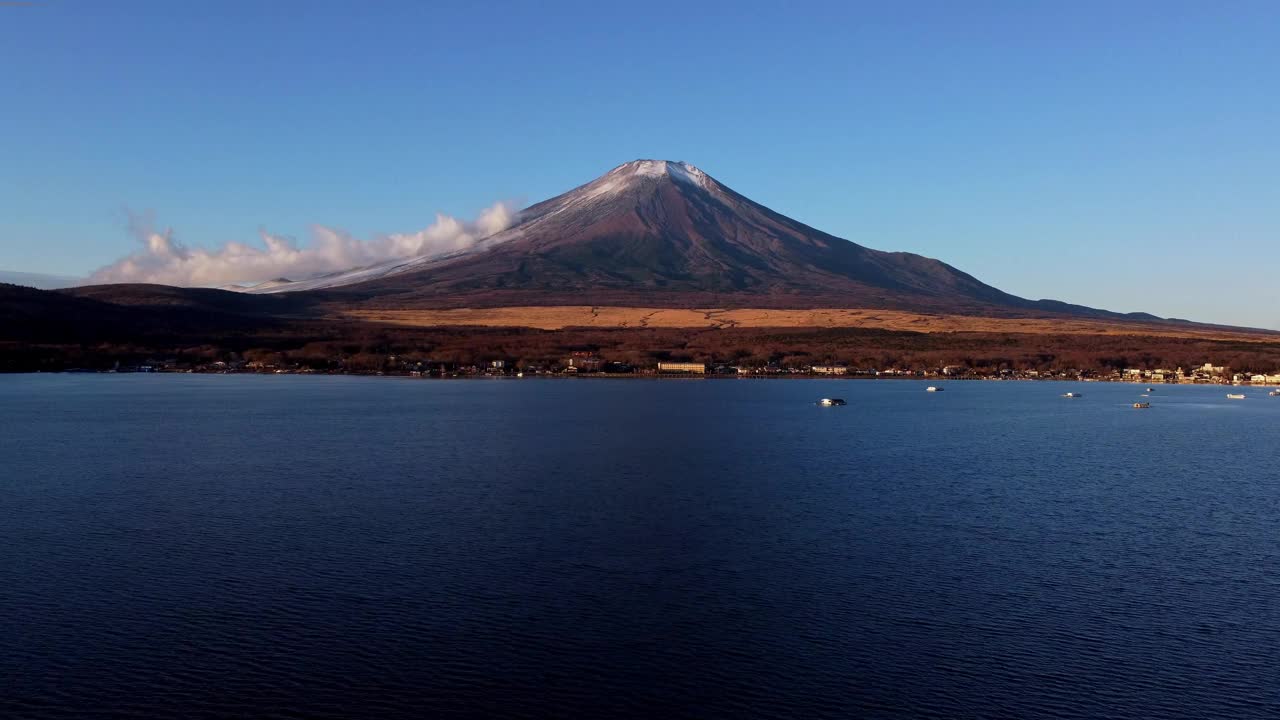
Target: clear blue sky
1118	154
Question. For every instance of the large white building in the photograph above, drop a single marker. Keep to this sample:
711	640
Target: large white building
830	369
682	367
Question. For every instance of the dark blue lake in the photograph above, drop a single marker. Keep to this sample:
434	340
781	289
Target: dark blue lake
328	547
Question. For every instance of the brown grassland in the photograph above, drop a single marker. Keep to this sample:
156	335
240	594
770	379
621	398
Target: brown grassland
585	316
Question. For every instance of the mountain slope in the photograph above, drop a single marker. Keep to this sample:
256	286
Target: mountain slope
207	301
656	232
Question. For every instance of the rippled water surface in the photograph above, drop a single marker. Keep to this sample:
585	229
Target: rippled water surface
192	546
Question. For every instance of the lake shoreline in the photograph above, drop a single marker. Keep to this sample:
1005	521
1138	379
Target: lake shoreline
650	376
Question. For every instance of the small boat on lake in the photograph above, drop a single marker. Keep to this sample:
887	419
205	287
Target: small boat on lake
1235	396
832	402
933	389
1141	405
1073	395
1151	390
1274	393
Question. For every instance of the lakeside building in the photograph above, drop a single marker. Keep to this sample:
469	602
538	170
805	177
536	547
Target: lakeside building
583	362
1207	374
830	369
682	367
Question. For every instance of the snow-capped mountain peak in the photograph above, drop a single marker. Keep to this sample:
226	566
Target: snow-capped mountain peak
676	170
606	193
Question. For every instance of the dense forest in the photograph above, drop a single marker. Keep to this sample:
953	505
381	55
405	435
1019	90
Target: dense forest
352	347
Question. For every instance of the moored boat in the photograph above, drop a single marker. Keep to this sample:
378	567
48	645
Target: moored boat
1073	395
931	388
831	402
1235	396
1142	405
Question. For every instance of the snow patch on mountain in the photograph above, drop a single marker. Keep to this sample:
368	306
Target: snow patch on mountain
686	173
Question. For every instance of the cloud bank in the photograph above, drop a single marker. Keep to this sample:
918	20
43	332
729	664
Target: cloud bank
164	260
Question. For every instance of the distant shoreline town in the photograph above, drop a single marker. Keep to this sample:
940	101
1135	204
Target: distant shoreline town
590	365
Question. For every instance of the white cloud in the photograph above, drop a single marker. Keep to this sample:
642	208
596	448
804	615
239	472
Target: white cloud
164	260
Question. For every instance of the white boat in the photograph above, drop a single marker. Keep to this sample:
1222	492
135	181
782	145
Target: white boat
831	402
933	389
1235	396
1142	405
1073	395
1150	390
1274	393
